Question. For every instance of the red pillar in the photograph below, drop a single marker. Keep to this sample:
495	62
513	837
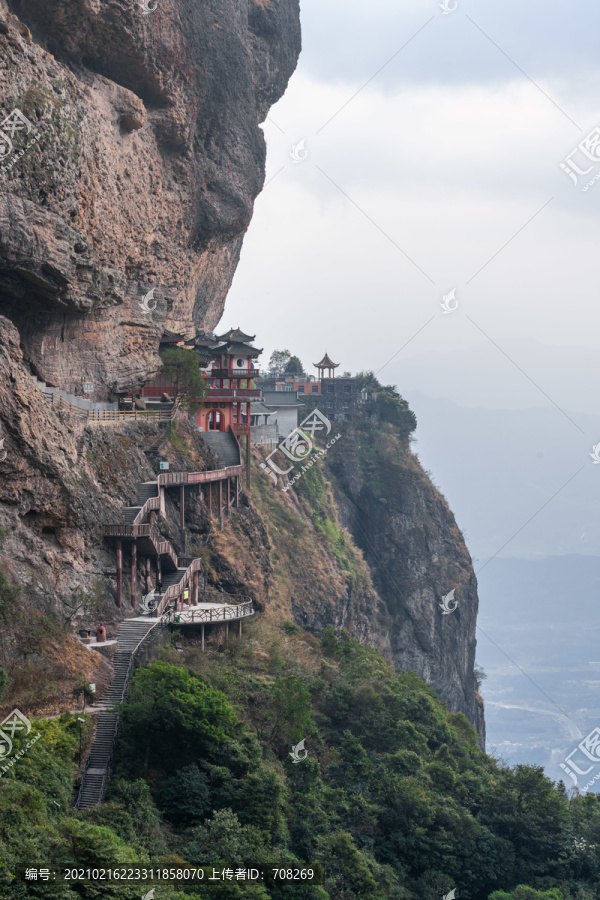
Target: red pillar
195	588
133	573
148	575
120	572
220	498
227	493
181	506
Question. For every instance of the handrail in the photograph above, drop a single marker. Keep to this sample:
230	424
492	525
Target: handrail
134	653
150	504
219	372
225	393
110	415
168	479
175	590
85	768
222	614
162	547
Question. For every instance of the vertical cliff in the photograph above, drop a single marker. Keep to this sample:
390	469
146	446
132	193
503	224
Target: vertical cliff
142	159
416	555
133	166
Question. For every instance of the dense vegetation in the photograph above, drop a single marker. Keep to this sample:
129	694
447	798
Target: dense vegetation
393	408
394	800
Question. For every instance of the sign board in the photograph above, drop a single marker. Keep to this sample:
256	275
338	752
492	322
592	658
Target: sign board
164	466
92	688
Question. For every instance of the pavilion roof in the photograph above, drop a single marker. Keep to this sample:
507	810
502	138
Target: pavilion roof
236	348
236	335
326	363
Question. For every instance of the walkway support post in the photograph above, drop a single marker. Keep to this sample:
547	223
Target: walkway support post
203	637
248	456
210	497
240	628
181	506
221	504
195	588
134	573
120	572
228	493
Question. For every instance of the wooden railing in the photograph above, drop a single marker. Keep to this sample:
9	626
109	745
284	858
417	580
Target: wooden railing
220	614
168	479
152	503
162	547
233	373
109	415
174	591
233	393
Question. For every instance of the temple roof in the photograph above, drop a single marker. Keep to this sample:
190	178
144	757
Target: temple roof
204	339
235	348
204	355
237	335
326	363
171	337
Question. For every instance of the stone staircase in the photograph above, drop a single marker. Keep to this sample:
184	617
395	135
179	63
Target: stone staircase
130	635
225	446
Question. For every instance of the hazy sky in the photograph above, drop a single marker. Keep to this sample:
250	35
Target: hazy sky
442	173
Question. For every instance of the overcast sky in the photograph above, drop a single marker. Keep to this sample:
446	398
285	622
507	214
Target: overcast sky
442	173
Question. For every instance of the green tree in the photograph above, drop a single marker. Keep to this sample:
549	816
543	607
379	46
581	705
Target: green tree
290	709
294	366
182	367
393	407
522	892
184	798
173	716
278	361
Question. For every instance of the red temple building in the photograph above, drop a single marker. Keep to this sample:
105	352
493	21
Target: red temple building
227	362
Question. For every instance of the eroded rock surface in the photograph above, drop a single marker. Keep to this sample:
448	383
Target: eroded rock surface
417	556
145	157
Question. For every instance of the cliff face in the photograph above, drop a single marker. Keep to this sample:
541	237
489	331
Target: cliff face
416	555
133	164
381	578
145	156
